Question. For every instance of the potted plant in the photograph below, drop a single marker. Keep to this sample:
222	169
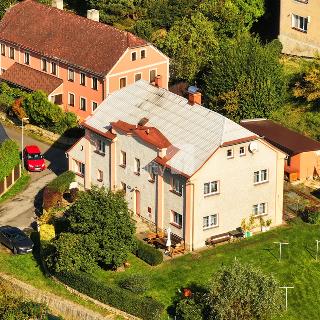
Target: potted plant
248	226
268	224
263	224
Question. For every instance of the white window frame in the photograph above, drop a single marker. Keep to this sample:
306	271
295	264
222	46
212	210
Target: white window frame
3	49
210	221
85	79
12	50
260	209
101	146
71	71
145	53
27	58
79	167
42	64
296	20
80	106
92	102
123	159
241	154
51	68
137	166
156	70
177	187
74	99
259	174
211	183
173	222
136	75
92	82
232	153
136	53
120	82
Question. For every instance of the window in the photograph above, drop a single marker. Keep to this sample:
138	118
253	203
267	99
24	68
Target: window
260	176
44	65
54	68
71	99
2	70
230	153
177	219
133	56
80	167
94	83
137	77
100	175
11	53
176	186
137	166
210	221
259	209
82	79
123	159
94	106
101	146
242	151
83	104
124	187
27	58
152	172
71	75
143	54
3	49
300	23
211	188
152	75
123	82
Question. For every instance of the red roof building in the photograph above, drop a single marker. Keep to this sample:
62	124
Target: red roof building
90	58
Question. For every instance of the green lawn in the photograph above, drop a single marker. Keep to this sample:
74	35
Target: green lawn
298	267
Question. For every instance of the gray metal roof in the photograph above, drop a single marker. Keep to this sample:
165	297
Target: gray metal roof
195	130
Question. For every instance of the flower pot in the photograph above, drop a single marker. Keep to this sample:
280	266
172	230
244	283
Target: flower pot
247	234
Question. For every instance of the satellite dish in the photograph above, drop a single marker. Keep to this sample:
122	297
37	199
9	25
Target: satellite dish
253	147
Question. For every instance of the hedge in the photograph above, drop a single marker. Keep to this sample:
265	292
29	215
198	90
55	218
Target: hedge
144	307
9	156
148	254
62	182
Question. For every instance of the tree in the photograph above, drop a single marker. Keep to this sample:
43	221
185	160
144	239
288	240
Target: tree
4	5
189	43
99	218
244	78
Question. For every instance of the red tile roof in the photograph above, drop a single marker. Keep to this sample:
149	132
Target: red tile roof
31	79
109	135
150	135
289	141
65	36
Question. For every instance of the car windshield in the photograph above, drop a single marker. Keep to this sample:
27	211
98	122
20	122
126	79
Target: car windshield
34	156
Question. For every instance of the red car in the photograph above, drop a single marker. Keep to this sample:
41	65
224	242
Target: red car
33	159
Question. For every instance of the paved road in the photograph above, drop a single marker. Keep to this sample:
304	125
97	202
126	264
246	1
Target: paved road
21	210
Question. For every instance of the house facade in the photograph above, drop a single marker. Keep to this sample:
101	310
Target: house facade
303	153
179	164
89	58
299	27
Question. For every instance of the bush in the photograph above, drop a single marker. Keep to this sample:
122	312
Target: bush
9	157
311	215
136	283
62	182
143	307
188	309
51	198
148	254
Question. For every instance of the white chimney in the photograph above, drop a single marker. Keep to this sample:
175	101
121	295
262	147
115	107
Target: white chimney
93	14
57	4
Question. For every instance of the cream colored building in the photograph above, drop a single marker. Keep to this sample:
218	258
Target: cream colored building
300	26
180	164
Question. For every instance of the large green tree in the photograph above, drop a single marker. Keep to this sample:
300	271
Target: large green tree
244	78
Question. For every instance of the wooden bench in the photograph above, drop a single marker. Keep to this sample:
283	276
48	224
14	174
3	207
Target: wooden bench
219	238
178	245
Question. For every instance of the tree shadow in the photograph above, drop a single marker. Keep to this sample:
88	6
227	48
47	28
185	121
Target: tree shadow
271	252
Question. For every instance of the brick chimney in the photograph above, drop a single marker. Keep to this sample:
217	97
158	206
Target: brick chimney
57	4
158	81
194	98
93	14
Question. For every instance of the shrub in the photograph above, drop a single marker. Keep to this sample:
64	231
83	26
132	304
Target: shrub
47	232
9	157
143	307
148	254
311	215
51	198
18	110
62	182
136	283
188	309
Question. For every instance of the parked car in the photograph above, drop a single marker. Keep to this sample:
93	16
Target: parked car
15	239
33	159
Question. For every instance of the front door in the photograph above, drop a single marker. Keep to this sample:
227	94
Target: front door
137	202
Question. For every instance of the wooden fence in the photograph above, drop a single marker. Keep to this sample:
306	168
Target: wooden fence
9	181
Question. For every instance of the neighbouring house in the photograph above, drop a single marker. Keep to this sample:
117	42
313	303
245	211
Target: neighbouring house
77	61
299	27
180	164
303	153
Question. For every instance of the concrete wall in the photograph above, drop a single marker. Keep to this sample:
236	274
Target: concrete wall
294	41
238	193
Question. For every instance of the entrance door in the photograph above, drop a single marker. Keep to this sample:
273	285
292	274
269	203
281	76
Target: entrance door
138	202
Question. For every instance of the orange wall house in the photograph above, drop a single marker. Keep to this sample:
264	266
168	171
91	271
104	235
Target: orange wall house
91	59
303	153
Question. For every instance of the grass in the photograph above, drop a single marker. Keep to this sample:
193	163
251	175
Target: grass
298	267
18	187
